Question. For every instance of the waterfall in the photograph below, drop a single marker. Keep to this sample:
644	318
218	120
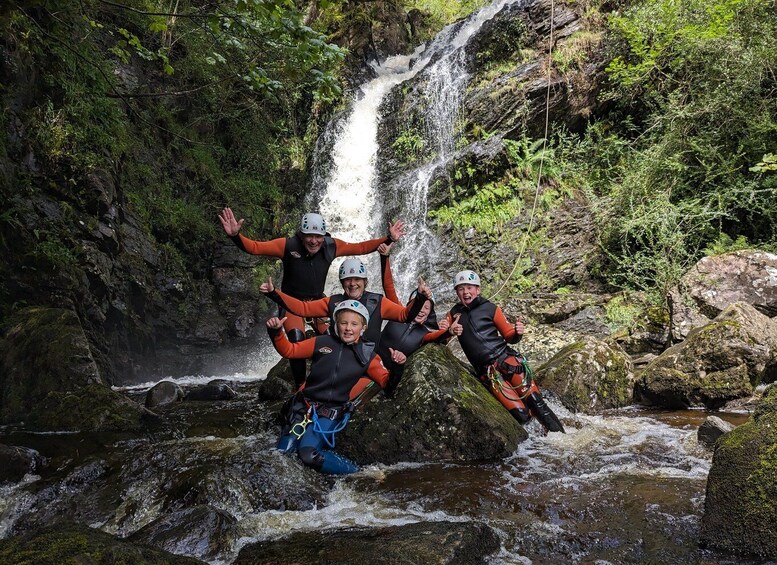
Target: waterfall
350	200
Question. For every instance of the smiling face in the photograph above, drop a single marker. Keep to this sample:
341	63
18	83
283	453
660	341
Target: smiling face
312	242
467	293
423	314
354	287
350	326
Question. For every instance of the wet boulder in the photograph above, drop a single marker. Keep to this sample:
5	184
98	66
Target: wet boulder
439	412
215	390
715	282
425	542
589	376
49	378
201	531
716	363
67	543
712	428
162	393
740	512
274	388
17	461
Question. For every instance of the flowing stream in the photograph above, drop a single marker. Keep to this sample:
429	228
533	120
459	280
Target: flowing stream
624	487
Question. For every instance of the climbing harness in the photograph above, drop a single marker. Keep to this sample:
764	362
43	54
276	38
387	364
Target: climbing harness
303	425
499	384
329	435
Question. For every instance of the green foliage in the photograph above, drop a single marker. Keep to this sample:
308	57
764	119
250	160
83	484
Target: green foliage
620	312
444	12
576	50
767	163
408	146
725	244
670	174
487	210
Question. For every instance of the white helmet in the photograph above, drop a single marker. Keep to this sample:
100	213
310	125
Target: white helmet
353	267
466	277
313	224
353	306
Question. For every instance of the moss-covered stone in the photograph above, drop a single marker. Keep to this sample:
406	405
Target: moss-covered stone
589	376
718	362
49	378
83	546
740	510
439	412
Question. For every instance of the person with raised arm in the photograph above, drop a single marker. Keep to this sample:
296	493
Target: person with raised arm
353	277
405	337
484	334
321	407
306	258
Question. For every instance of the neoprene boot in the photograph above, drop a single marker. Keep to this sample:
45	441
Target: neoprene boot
336	464
288	443
543	413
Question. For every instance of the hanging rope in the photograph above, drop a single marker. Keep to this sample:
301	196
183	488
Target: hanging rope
542	155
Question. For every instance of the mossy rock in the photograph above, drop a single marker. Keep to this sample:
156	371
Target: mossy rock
721	361
589	376
50	381
85	546
740	510
439	412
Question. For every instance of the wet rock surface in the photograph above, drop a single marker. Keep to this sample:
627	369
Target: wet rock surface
69	543
428	542
712	428
439	412
739	509
589	376
163	393
717	281
716	363
16	461
49	378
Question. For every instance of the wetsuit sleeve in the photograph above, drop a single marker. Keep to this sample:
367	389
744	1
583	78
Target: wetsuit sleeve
436	335
388	280
301	350
392	311
273	248
505	328
343	248
302	308
377	371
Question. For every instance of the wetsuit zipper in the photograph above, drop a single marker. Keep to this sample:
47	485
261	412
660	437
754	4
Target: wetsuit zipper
333	376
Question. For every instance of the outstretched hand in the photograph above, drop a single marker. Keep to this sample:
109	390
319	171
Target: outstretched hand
229	223
424	289
396	230
397	356
385	249
519	327
276	323
444	324
456	328
267	287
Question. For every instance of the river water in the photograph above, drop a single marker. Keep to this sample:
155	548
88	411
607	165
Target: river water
625	487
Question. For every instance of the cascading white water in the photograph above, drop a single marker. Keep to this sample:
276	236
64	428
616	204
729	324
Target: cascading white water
350	200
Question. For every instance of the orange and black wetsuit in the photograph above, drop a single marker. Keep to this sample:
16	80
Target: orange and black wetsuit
320	408
304	275
485	340
407	337
378	306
